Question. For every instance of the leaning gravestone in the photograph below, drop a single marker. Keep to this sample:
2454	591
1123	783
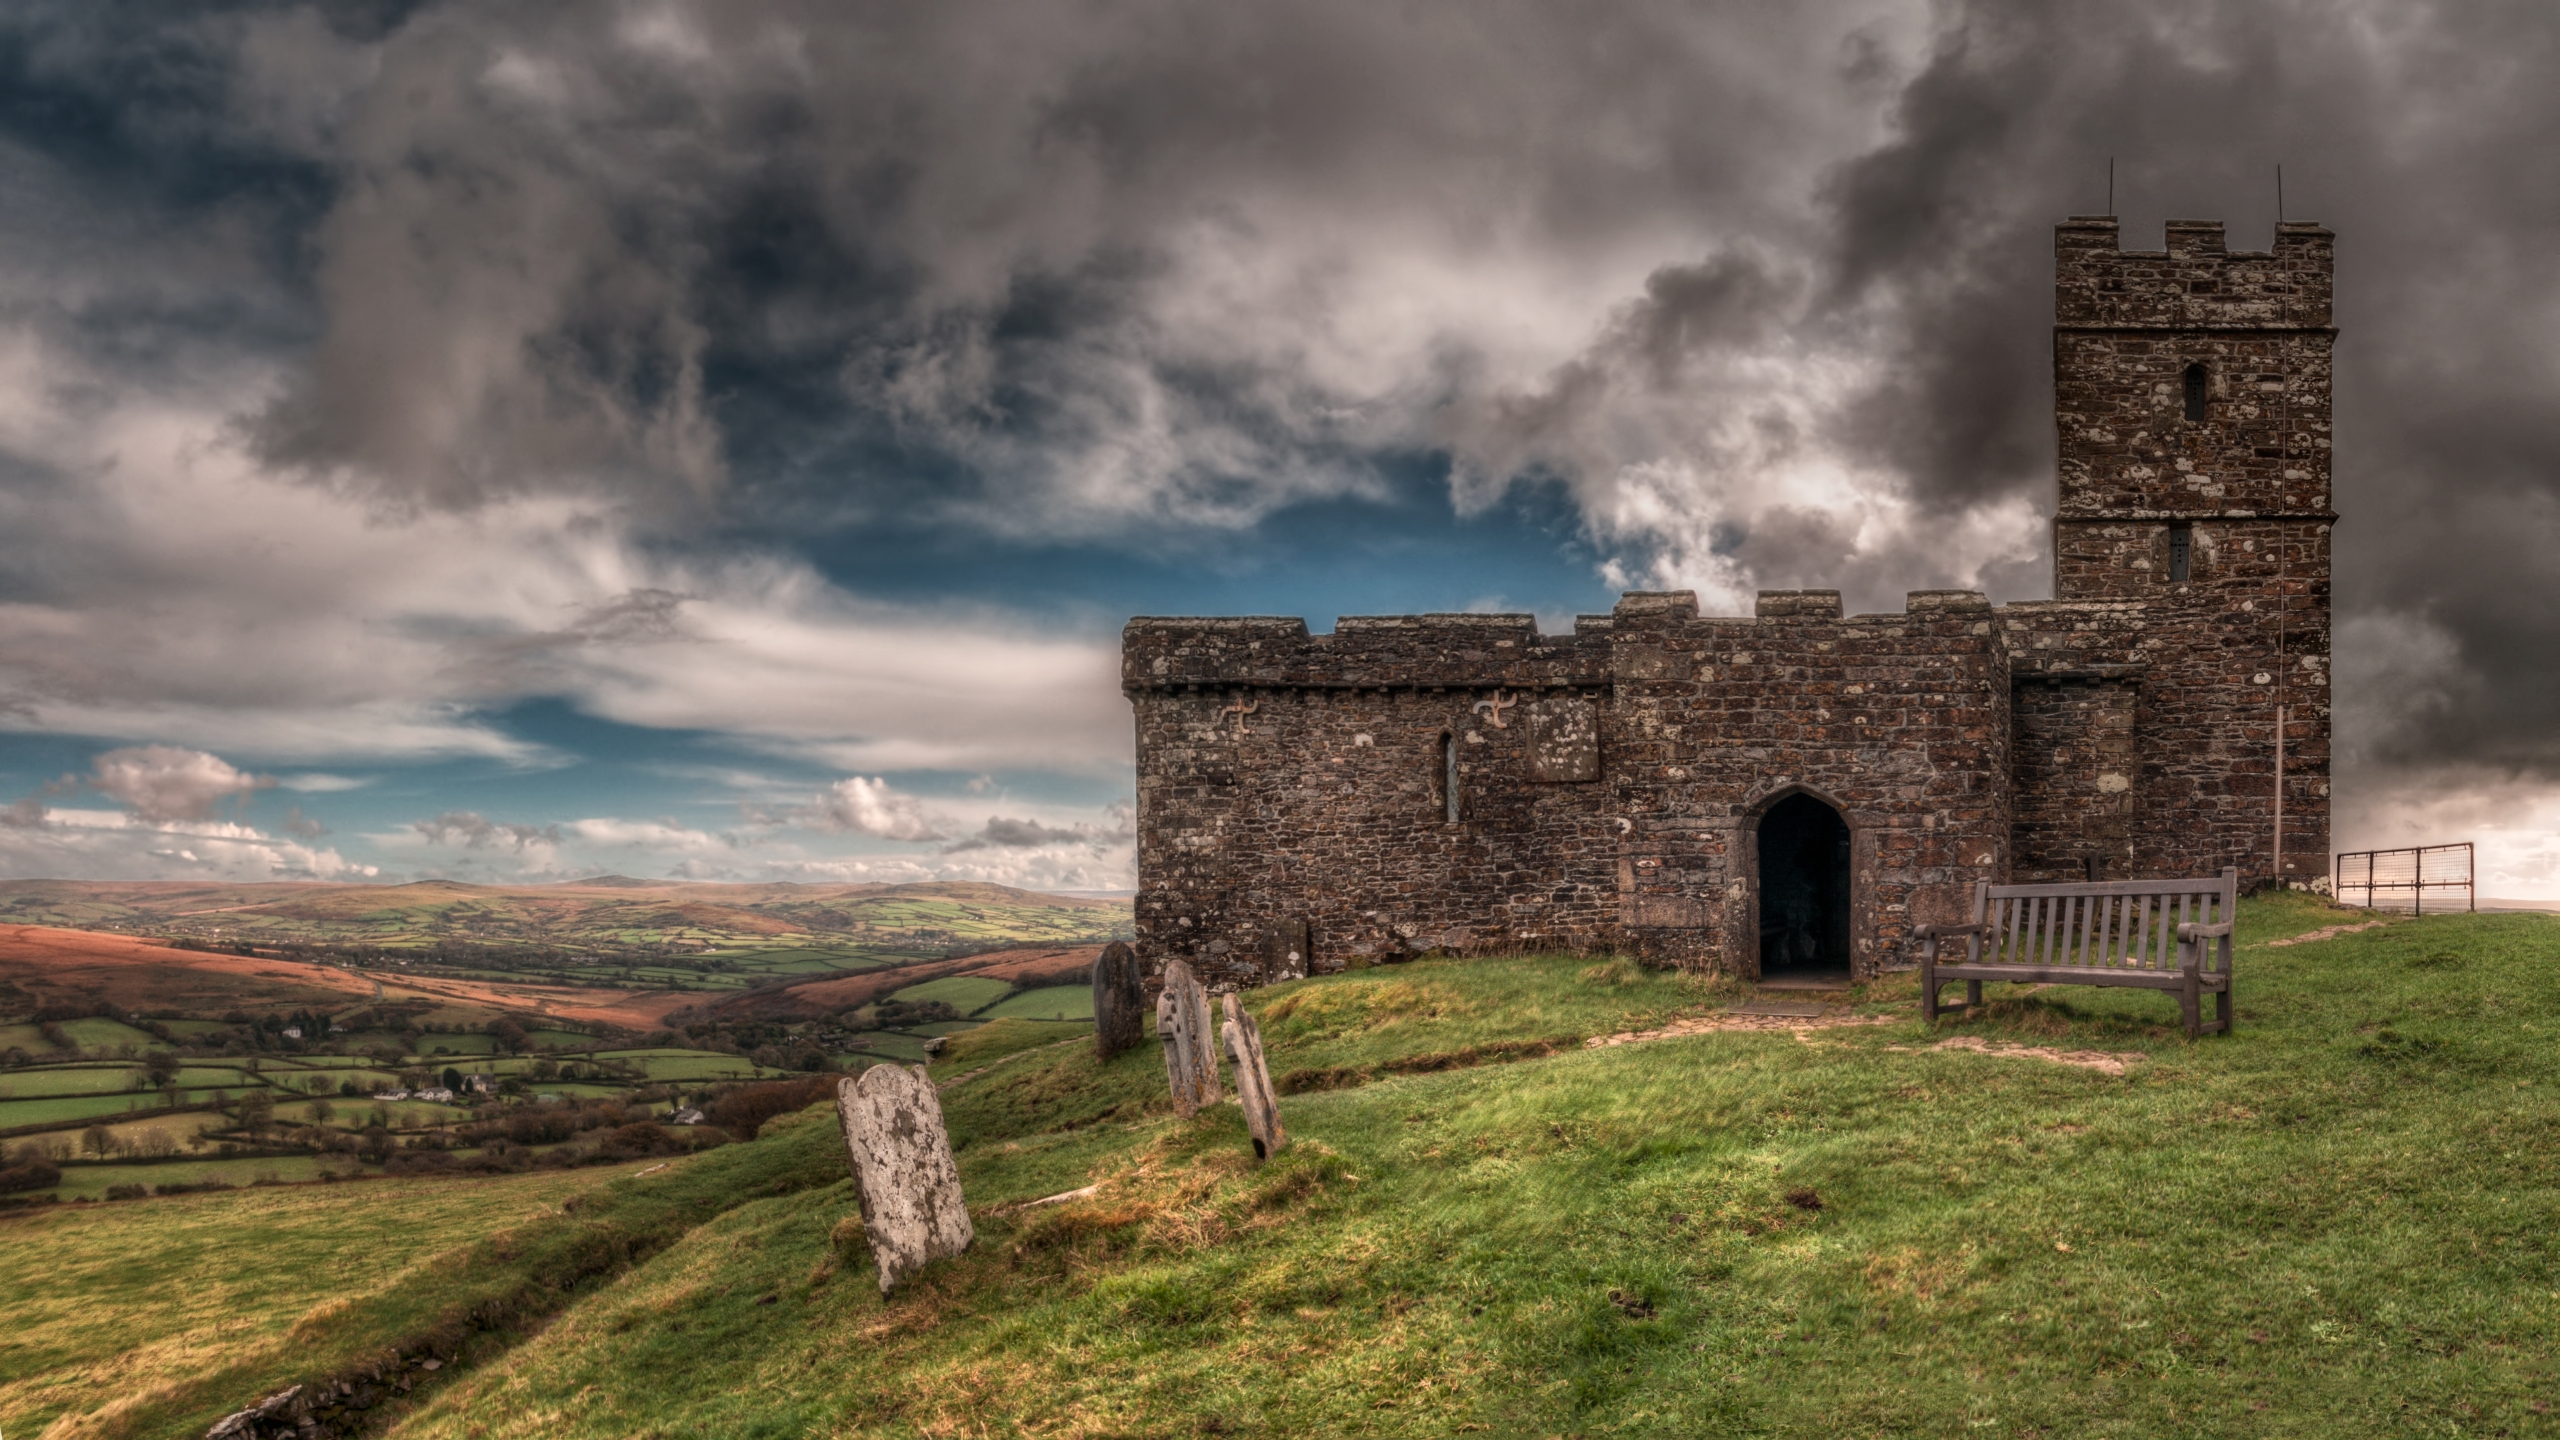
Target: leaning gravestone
1284	951
912	1209
1253	1083
1190	1046
1119	1001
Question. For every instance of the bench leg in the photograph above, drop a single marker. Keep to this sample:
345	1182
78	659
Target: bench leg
1973	997
2191	1004
2222	1008
1928	991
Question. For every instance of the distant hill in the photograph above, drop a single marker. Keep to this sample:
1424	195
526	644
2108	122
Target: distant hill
612	917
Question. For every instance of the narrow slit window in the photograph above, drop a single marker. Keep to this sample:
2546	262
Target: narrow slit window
2199	388
2182	545
1449	777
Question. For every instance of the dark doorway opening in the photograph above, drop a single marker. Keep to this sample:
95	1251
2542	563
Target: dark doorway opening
1804	892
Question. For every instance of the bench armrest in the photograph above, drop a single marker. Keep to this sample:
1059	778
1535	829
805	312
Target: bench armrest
2193	931
1947	932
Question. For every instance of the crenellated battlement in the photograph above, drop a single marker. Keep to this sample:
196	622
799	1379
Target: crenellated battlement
2195	283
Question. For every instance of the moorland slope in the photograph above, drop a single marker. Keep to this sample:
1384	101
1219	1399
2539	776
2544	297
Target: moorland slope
2055	1217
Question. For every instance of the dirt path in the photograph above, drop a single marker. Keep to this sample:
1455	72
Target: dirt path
2105	1061
1729	1020
2108	1062
2330	933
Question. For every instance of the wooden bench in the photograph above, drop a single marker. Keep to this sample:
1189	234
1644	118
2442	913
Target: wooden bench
2170	935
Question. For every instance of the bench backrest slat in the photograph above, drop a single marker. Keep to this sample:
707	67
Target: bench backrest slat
2117	924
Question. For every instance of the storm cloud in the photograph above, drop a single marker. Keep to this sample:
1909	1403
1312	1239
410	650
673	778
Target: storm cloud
368	373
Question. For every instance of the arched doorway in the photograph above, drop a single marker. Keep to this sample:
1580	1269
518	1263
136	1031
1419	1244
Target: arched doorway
1804	891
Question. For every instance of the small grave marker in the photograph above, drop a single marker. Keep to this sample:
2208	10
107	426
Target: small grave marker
1190	1047
912	1209
1253	1082
1119	1000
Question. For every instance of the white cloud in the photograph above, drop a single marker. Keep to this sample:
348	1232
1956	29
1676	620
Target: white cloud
165	782
2513	825
643	834
80	844
871	807
314	782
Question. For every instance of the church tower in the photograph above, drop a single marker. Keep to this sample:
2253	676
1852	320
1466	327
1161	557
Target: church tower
2192	404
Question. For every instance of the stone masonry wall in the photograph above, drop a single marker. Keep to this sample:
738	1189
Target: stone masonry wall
1609	783
1898	721
2248	629
1326	800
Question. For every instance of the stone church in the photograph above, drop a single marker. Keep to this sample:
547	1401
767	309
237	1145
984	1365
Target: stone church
1792	791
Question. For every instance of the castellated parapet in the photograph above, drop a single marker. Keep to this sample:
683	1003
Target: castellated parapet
1659	782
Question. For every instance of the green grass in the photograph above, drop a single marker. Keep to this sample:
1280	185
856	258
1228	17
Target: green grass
116	1308
1055	1002
964	993
2003	1246
158	1316
2342	1214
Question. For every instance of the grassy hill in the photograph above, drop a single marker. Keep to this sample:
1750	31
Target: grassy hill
2056	1218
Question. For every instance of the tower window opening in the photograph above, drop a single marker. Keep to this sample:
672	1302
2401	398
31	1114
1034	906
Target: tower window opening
1449	777
2198	383
2182	545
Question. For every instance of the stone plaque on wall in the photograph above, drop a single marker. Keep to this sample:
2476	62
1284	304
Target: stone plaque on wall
1284	951
1666	912
1564	740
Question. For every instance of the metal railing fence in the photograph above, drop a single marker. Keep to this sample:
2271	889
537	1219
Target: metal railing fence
2409	879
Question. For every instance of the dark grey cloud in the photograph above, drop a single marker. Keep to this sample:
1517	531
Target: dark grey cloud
1022	834
473	831
1763	291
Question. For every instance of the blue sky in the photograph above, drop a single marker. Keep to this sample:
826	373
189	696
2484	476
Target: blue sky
507	442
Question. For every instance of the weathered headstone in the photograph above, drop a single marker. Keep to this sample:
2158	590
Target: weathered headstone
1190	1045
912	1209
1253	1083
1284	951
1119	1000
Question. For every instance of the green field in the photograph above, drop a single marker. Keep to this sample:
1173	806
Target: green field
460	1046
14	1113
884	1045
684	1064
1055	1002
964	993
94	1032
61	1080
